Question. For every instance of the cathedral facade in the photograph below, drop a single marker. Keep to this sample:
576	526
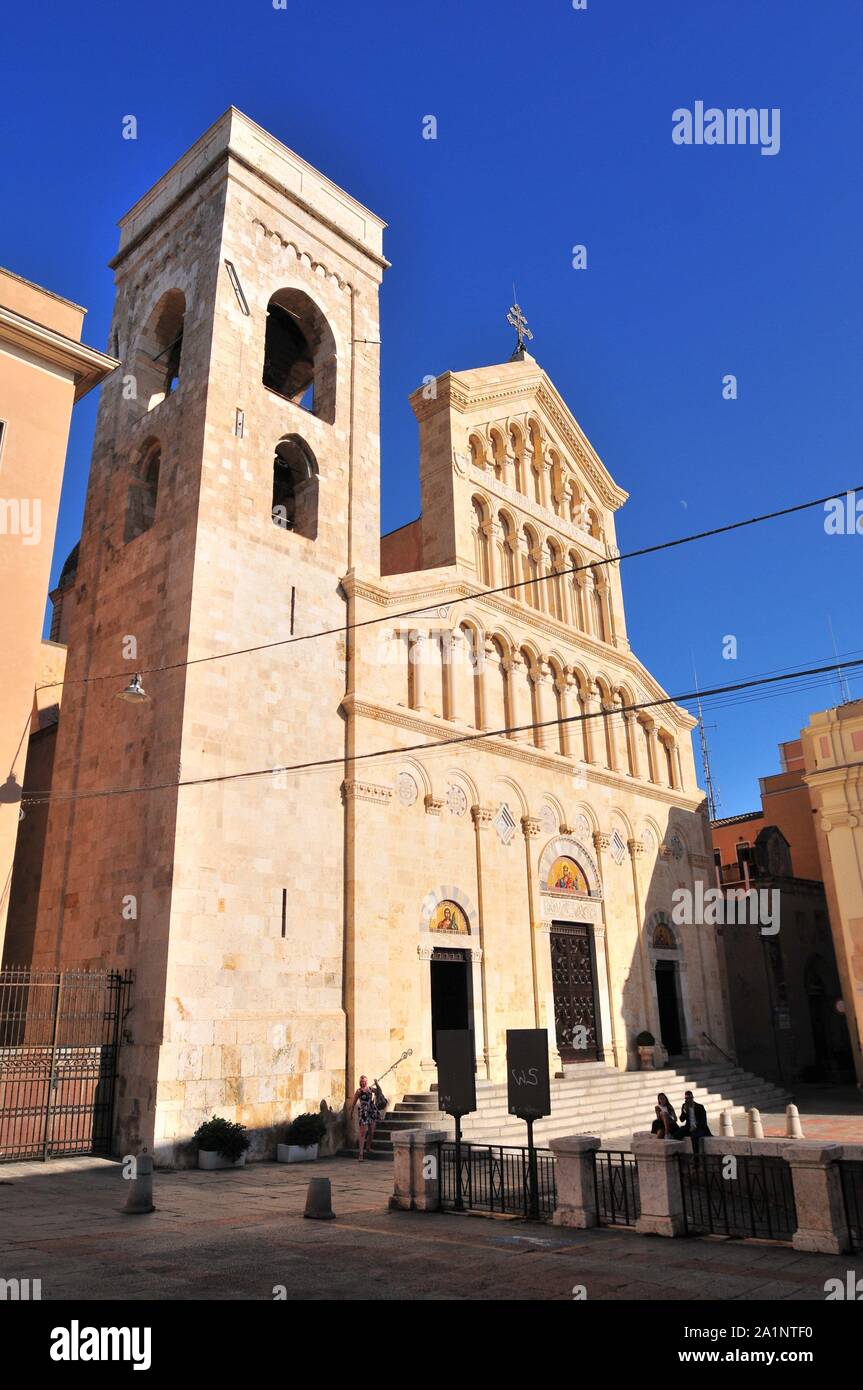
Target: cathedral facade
420	793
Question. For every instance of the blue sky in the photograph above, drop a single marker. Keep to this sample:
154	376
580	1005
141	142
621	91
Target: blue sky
554	129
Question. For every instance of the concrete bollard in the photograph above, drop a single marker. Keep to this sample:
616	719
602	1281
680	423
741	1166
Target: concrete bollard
319	1202
726	1122
793	1127
756	1128
140	1199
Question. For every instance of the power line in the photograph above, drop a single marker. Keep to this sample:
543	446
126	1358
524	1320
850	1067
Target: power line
458	739
462	598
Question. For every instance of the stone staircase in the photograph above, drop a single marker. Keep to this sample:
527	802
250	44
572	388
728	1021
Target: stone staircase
590	1099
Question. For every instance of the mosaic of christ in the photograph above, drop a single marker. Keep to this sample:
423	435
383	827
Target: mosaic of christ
566	877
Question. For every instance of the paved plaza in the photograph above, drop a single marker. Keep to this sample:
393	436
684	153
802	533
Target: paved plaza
241	1234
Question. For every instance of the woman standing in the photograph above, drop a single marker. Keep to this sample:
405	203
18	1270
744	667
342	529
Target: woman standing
367	1099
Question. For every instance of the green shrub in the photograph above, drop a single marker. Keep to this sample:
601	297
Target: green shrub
222	1137
645	1039
305	1130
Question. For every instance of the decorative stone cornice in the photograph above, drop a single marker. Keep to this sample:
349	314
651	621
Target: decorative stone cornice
85	365
366	791
285	244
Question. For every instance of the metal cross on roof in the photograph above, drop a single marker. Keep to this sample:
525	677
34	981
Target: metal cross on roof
519	323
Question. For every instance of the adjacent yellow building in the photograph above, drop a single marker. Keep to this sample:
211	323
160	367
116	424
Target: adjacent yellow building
44	369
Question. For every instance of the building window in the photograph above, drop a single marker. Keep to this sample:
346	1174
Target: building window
143	493
156	364
295	488
300	354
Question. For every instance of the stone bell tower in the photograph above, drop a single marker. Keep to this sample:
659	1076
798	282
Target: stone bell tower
234	483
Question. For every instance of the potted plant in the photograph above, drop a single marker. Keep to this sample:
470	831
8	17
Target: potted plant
221	1144
646	1042
302	1137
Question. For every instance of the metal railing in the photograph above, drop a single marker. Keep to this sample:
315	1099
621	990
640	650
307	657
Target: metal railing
719	1049
743	1195
851	1175
495	1178
59	1042
615	1175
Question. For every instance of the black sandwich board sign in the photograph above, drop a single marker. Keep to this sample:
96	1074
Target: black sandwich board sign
456	1068
528	1092
527	1080
456	1094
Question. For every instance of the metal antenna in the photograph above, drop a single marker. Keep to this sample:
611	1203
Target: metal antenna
712	801
844	690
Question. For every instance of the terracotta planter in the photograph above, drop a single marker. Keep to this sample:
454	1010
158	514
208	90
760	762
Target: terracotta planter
647	1058
209	1160
295	1153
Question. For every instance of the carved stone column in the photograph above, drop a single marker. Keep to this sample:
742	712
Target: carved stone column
519	717
537	590
545	484
609	730
522	570
618	734
450	653
564	684
509	471
632	743
594	733
527	472
605	605
415	660
654	772
546	707
489	529
585	583
678	766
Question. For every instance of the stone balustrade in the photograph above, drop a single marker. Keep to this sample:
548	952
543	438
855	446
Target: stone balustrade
821	1224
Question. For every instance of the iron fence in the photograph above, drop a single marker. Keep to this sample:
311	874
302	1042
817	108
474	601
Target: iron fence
496	1178
615	1175
746	1195
851	1174
59	1043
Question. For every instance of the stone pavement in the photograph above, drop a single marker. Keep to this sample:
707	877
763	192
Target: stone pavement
239	1234
833	1114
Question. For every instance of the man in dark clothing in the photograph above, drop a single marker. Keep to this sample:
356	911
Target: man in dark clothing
693	1118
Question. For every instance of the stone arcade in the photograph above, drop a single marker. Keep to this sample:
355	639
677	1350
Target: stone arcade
296	928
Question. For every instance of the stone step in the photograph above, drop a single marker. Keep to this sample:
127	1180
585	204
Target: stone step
590	1098
609	1102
